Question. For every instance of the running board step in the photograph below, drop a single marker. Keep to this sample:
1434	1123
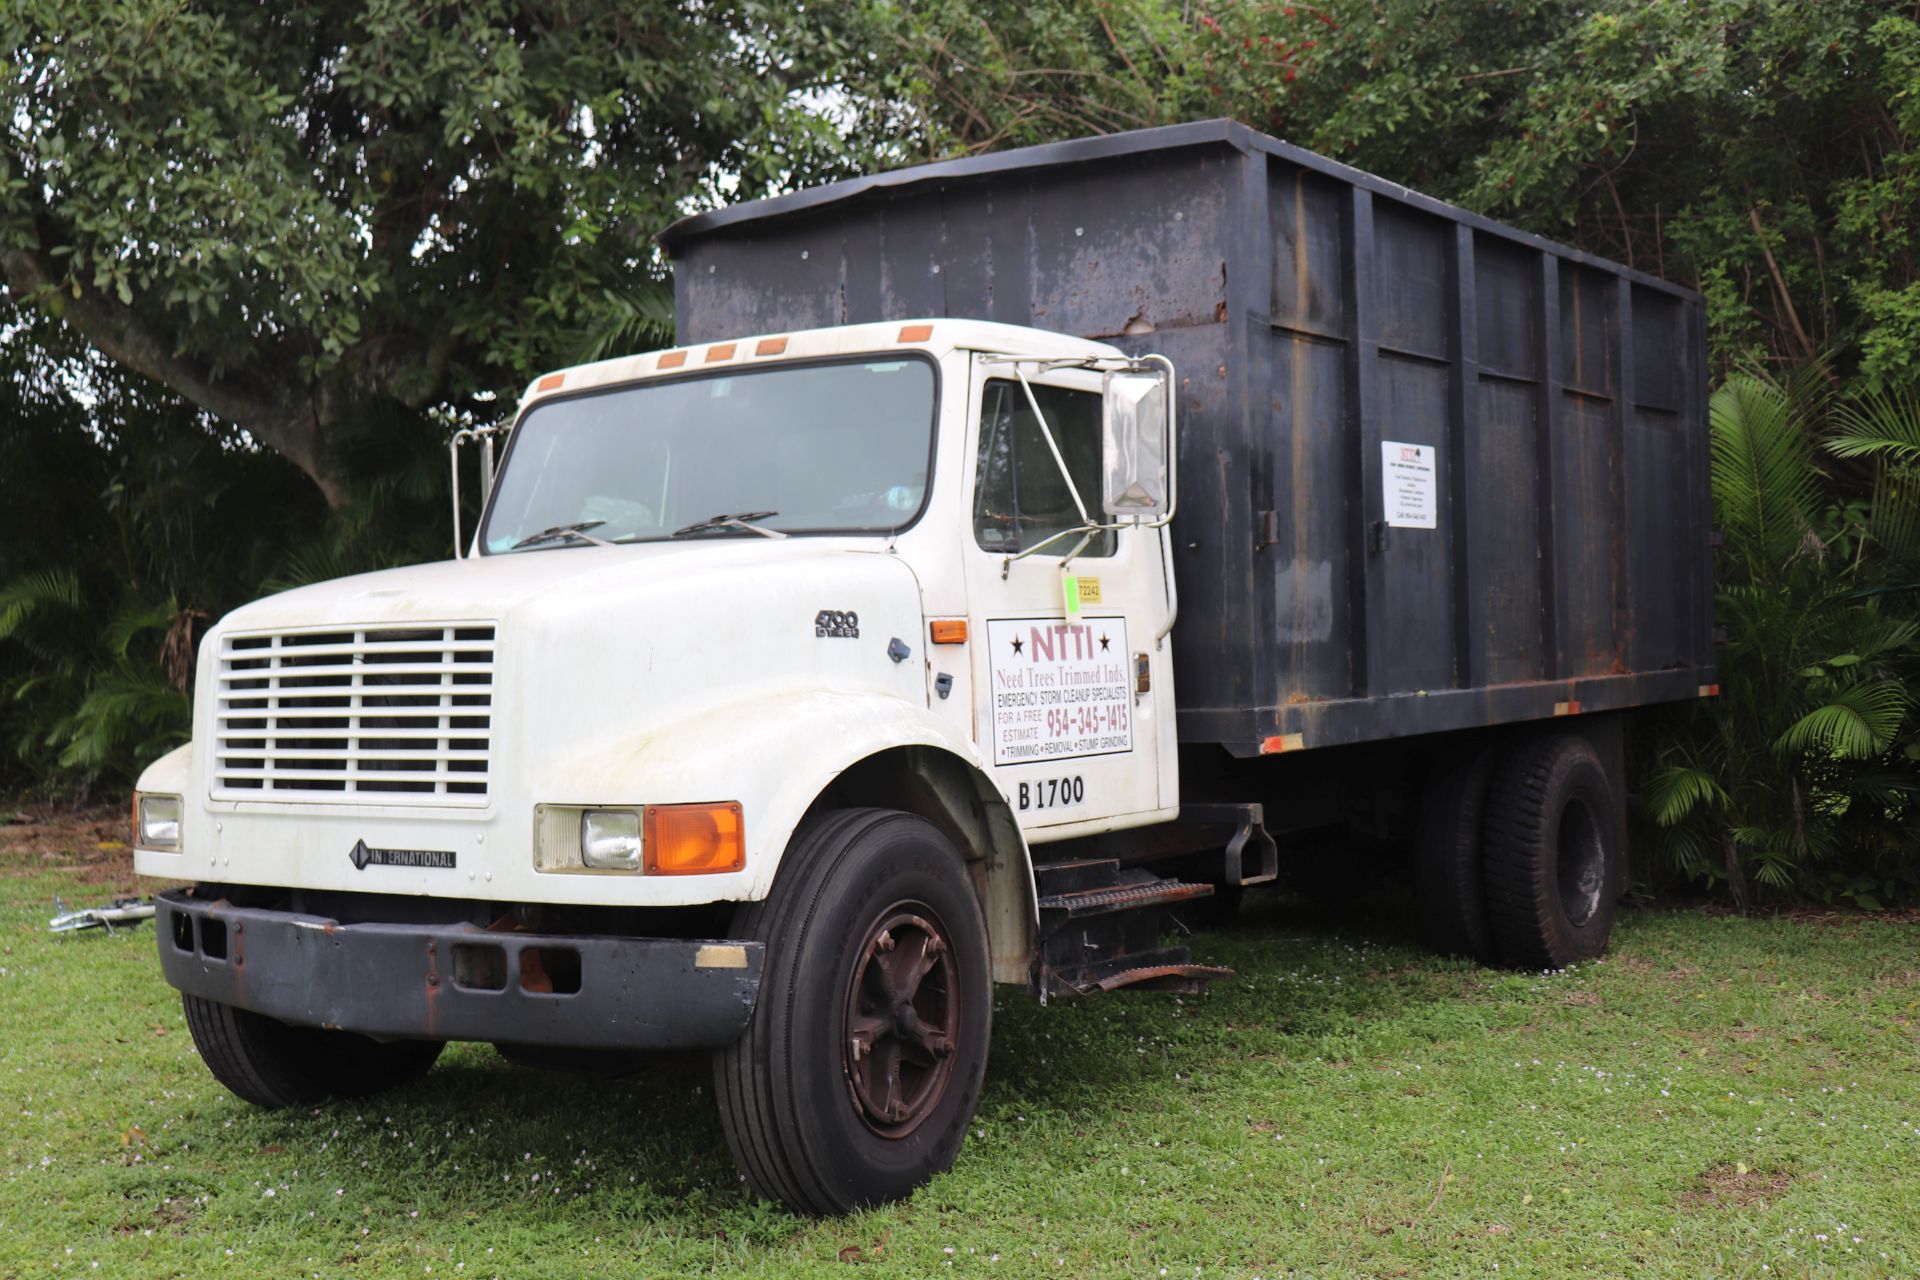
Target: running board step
1158	969
1187	979
1132	894
1101	926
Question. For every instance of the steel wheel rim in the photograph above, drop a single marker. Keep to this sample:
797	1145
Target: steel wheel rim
1582	863
901	1020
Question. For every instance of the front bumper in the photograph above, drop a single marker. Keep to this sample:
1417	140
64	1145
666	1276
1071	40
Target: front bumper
459	981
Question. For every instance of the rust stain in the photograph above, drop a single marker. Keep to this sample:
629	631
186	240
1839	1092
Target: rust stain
533	973
430	1014
1302	389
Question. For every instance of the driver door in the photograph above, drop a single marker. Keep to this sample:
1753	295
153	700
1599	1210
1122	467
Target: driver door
1069	704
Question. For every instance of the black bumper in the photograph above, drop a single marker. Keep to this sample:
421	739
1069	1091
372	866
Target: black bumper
458	981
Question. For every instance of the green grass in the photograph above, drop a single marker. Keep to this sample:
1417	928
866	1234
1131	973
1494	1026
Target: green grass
1718	1097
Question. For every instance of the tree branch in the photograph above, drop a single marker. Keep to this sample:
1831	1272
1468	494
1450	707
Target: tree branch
118	335
1780	287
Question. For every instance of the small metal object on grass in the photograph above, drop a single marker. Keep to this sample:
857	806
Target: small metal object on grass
120	911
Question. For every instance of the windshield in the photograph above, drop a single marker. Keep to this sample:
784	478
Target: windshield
840	448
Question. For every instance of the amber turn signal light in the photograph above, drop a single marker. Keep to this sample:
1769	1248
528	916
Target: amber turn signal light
695	839
949	630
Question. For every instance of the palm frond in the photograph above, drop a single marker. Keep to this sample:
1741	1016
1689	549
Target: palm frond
120	632
635	317
1881	425
1676	791
32	592
125	709
1856	722
1763	478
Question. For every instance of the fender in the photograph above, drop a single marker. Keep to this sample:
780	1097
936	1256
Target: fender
171	774
777	753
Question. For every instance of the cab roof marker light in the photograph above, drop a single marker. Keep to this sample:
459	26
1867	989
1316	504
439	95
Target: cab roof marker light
552	382
770	347
915	332
672	360
719	352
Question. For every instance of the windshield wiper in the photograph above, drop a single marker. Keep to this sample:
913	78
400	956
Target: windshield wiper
737	520
560	531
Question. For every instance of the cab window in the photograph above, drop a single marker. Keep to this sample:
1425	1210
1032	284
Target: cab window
1020	499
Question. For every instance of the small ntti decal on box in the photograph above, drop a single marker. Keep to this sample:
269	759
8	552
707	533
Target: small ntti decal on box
1410	488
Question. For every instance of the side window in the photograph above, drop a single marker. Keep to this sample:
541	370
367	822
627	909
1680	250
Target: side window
1020	499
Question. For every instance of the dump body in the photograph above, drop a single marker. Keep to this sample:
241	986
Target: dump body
1435	473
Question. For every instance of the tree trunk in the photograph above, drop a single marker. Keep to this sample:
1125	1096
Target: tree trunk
1736	875
289	425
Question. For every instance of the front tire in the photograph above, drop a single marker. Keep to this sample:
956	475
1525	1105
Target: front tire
273	1064
1555	862
862	1063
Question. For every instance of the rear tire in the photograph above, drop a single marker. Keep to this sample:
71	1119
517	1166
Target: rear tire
1448	856
273	1064
1554	856
862	1063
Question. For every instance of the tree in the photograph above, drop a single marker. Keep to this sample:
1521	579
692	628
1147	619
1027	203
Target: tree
332	224
1766	152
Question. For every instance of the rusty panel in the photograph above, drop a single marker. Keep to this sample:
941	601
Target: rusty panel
1507	299
1212	551
1306	561
1410	279
1099	268
1657	512
1304	213
1587	331
1660	367
1410	643
1505	518
1583	501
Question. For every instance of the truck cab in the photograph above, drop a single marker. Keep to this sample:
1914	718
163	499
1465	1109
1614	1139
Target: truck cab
913	576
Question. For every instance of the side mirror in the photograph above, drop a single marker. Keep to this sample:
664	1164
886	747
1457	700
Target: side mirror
1135	444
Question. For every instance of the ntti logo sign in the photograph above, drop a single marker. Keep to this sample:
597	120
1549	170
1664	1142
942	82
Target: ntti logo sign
1059	689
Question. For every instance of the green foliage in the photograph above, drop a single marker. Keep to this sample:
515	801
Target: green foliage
1802	774
127	518
330	222
1766	152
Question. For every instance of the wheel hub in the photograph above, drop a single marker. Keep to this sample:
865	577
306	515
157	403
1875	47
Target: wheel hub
902	1012
1582	863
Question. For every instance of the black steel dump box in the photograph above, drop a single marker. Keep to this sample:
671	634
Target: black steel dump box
1435	473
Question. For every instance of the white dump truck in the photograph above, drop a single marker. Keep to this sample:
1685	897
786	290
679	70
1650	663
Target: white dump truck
805	680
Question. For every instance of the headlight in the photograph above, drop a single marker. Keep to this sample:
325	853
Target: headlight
157	821
610	839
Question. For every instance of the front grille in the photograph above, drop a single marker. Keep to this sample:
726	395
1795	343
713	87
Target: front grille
384	715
